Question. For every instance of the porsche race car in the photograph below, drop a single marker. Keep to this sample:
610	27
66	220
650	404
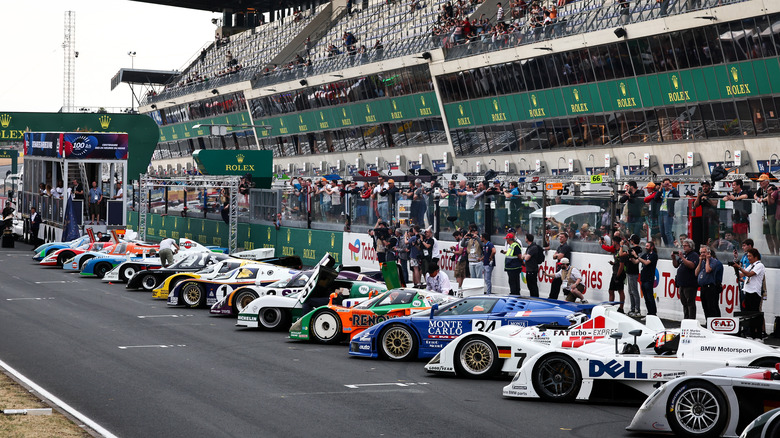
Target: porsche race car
581	373
45	249
60	256
207	273
424	334
121	249
718	403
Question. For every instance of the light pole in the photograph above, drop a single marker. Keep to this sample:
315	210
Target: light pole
131	54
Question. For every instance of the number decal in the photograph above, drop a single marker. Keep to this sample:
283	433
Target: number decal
483	325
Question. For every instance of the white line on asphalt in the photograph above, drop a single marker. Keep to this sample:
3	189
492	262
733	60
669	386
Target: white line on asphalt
64	406
356	386
55	281
125	347
163	316
29	298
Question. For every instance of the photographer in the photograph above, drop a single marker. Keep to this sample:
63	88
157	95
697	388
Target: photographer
634	198
415	254
402	248
709	276
563	252
459	258
705	206
762	195
687	283
618	279
473	247
754	281
380	234
571	279
649	260
632	274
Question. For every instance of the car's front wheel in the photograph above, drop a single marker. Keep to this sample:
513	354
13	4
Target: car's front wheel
398	343
273	318
557	378
149	282
242	299
127	273
101	269
192	294
326	327
697	409
477	358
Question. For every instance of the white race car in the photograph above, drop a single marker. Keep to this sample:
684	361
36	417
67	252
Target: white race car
717	403
485	354
578	374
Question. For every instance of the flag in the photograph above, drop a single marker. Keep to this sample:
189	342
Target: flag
70	229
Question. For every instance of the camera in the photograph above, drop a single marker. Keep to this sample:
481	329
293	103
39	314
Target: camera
381	233
731	263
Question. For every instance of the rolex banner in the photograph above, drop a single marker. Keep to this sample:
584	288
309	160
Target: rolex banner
258	164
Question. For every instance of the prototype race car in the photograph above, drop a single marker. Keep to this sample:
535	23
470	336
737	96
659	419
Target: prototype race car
148	279
207	273
275	310
482	355
121	249
767	425
47	248
332	323
424	334
720	402
60	256
199	292
236	301
579	374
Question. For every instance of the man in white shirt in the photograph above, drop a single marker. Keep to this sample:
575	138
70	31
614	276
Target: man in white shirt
168	248
381	195
438	281
753	288
119	192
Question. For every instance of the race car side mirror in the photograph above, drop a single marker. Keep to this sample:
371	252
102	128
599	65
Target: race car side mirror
616	336
434	308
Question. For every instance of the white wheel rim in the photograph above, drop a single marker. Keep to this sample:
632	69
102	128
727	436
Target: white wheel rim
325	326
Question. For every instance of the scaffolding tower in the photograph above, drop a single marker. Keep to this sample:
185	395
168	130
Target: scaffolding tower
69	68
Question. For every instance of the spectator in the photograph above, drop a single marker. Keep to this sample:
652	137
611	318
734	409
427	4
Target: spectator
118	194
402	248
415	254
58	191
625	11
774	210
379	234
706	203
742	208
724	244
618	279
664	6
95	198
685	279
584	234
754	288
662	201
563	252
709	274
417	194
513	265
430	250
499	13
168	248
438	281
488	262
649	260
35	226
473	247
459	258
632	274
634	201
571	279
534	256
652	215
278	221
8	216
765	189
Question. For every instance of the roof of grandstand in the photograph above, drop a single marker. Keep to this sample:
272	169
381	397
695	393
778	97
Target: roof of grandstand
222	5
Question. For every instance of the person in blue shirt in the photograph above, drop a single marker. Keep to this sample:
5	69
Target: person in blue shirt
649	261
95	198
488	262
709	275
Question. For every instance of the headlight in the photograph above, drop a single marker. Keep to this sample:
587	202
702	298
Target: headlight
297	326
436	359
649	400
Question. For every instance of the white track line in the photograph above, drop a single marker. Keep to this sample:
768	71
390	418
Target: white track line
64	406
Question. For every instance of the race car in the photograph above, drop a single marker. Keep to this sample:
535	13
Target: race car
207	273
277	308
332	323
481	355
121	249
235	302
139	277
766	425
424	334
60	256
582	373
199	292
720	402
47	248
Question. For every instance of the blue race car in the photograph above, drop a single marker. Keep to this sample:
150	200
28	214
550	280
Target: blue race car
48	248
424	334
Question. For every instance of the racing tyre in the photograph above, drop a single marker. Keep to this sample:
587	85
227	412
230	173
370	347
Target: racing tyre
63	257
127	273
697	409
242	299
192	294
326	327
148	282
101	269
477	358
557	378
273	318
398	343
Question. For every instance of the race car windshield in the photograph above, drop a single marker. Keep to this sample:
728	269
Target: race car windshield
388	298
189	262
468	306
121	249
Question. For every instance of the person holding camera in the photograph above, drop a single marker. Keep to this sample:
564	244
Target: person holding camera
753	288
649	261
415	254
620	259
563	252
571	280
634	198
488	262
380	234
459	258
765	189
686	280
632	274
709	275
705	206
473	247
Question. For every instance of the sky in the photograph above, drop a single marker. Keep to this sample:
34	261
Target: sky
31	76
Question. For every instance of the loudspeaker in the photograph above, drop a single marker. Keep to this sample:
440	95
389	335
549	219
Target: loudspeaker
426	55
620	32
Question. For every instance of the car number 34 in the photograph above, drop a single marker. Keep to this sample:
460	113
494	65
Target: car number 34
482	325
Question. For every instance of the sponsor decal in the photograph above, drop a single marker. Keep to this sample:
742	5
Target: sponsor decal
366	320
723	325
666	374
417	303
659	426
440	329
721	349
615	369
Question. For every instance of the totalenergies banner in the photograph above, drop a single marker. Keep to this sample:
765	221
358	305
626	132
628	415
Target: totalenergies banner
596	271
42	144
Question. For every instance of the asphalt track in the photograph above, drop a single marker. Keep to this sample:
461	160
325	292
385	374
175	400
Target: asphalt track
142	369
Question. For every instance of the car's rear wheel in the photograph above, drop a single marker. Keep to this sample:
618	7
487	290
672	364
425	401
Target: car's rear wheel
242	299
127	273
398	342
326	327
101	269
557	378
192	294
697	409
477	358
63	257
273	318
149	282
